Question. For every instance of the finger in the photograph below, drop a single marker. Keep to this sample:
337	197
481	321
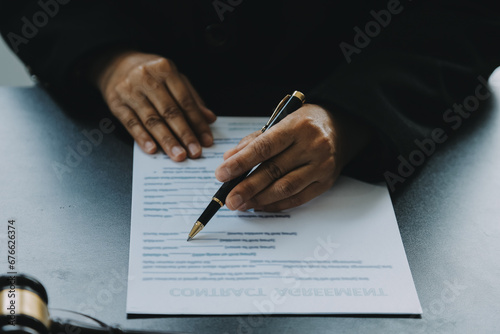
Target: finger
155	125
284	187
313	190
242	144
264	177
144	92
262	148
134	126
209	114
190	109
164	105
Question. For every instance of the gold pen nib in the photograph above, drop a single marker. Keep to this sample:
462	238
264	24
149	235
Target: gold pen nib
197	227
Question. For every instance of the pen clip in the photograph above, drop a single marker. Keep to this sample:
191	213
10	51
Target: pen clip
275	112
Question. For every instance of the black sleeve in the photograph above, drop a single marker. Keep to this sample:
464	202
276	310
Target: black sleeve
52	37
411	77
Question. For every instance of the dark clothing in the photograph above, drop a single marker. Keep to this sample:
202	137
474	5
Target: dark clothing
396	66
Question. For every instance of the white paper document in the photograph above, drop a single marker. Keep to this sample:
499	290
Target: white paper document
341	253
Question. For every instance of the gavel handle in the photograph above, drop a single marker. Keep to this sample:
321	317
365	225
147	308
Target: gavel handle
60	327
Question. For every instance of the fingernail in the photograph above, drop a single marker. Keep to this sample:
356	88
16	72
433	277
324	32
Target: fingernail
149	146
194	149
207	139
236	201
177	150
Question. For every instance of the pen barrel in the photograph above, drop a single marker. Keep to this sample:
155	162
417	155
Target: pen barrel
209	212
219	198
287	105
226	188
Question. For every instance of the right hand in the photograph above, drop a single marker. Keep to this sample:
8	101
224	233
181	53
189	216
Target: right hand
156	103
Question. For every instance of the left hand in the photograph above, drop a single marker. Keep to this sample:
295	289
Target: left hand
301	158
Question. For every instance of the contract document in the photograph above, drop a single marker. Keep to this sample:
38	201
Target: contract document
341	253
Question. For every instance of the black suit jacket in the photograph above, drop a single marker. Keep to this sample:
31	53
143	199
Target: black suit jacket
397	66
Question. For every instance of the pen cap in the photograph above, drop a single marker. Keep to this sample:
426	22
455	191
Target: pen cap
300	96
294	102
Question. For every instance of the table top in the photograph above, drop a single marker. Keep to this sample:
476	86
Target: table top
67	182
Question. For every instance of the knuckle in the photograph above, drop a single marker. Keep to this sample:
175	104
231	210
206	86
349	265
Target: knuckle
116	105
244	140
262	148
308	124
123	88
152	121
303	122
141	70
164	67
111	97
162	62
187	103
323	143
136	74
166	63
170	112
251	136
131	122
122	113
150	83
286	188
133	96
273	170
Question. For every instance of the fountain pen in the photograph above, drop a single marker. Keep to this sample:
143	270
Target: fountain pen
288	104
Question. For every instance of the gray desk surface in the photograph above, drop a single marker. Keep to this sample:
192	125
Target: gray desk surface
73	226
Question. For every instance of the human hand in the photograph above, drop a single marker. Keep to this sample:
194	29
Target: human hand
155	102
301	158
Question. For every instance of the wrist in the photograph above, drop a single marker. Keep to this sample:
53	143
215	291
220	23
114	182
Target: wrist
102	67
352	136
